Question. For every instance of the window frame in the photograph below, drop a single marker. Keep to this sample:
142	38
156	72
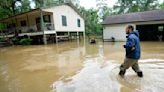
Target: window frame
64	20
78	22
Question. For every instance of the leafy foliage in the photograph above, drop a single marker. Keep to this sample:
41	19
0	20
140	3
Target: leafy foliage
12	7
15	41
162	6
40	3
92	23
2	39
127	6
25	41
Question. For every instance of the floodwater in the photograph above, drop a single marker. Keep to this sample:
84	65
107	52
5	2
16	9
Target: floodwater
79	67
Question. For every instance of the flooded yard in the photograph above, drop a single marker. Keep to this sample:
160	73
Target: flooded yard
79	67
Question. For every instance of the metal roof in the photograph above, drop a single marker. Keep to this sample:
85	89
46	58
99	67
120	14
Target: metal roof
38	9
155	15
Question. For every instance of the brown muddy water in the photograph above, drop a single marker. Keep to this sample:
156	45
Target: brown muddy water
79	67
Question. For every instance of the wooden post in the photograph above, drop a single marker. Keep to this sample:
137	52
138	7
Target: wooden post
28	23
77	35
15	31
84	35
68	35
42	27
56	38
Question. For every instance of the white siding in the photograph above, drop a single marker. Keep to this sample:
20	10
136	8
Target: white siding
117	31
71	15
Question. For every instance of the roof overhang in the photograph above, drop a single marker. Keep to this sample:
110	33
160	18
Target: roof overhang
37	11
25	14
155	15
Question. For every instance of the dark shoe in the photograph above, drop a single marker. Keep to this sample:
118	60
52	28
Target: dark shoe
139	74
122	73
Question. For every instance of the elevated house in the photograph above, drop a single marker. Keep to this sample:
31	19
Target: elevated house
45	23
150	25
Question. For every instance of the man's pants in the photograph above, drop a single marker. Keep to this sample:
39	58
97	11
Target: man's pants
130	63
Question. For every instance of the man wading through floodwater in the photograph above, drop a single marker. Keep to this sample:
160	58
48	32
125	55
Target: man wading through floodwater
132	52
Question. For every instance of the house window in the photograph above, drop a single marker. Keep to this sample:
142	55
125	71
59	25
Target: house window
78	23
47	18
64	20
23	23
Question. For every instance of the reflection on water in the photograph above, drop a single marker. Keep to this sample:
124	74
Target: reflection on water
78	67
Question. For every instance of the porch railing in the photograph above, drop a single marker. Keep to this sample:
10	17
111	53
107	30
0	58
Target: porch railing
28	29
49	27
7	32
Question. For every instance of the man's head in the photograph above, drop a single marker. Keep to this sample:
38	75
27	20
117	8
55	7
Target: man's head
129	29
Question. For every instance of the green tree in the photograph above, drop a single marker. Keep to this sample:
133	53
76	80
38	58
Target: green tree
11	7
5	11
75	2
127	6
162	6
40	3
7	8
102	8
92	24
25	5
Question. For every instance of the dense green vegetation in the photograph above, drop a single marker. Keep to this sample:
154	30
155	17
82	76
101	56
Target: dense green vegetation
93	17
127	6
25	41
2	39
15	41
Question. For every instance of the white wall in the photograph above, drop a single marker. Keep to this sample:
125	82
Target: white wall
71	15
117	31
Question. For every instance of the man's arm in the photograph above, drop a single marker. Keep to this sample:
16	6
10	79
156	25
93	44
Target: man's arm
130	44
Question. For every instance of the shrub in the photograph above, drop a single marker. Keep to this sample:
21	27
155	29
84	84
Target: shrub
15	41
2	39
25	41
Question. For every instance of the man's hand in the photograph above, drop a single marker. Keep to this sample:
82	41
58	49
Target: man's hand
133	48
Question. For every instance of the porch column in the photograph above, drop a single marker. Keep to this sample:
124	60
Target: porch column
42	27
44	39
68	35
77	35
56	38
28	23
15	30
84	35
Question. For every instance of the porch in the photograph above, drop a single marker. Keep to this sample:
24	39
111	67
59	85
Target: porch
32	23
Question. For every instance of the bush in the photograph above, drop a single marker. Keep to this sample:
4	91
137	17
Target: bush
15	41
2	39
25	41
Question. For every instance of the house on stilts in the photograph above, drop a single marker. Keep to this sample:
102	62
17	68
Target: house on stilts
46	23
